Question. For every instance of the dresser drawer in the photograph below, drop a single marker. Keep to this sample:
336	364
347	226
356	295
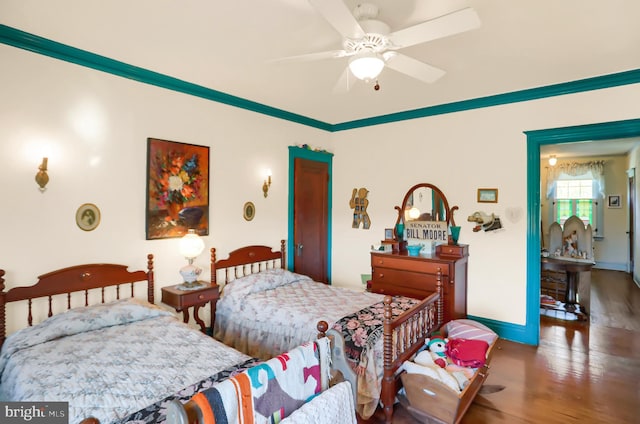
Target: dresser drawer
409	280
200	297
452	250
182	299
408	263
393	290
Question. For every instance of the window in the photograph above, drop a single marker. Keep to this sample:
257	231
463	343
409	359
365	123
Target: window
576	197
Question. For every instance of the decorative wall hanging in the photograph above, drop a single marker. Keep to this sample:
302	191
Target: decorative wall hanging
488	195
177	189
88	217
249	211
359	203
614	201
484	221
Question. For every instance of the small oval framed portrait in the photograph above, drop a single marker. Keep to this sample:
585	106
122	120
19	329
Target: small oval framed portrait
88	217
249	211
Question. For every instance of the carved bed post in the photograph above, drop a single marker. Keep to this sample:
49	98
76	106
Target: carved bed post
3	295
387	396
440	289
283	251
213	266
150	279
322	328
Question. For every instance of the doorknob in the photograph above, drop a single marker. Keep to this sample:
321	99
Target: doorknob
299	247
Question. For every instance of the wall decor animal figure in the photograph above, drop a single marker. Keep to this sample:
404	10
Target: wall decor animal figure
486	222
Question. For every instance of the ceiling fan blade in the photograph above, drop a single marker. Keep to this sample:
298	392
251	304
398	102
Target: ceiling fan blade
331	54
443	26
339	16
344	83
412	67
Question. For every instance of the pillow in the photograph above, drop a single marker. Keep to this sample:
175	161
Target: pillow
82	319
469	329
261	281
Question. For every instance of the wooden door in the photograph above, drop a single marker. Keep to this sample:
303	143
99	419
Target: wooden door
311	219
631	205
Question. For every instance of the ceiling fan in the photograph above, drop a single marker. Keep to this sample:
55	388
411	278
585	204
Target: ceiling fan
370	44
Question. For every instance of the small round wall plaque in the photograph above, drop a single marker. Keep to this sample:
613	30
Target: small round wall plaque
88	217
249	211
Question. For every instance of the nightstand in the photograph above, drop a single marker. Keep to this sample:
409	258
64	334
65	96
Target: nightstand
182	300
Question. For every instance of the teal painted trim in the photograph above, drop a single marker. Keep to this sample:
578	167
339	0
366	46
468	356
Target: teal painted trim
327	157
535	139
507	331
588	84
33	43
40	45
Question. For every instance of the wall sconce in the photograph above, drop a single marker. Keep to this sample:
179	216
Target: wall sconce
41	177
267	183
553	160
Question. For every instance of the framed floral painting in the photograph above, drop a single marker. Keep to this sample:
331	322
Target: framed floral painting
177	189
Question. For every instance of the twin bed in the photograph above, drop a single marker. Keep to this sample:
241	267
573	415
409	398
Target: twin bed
143	369
265	310
113	357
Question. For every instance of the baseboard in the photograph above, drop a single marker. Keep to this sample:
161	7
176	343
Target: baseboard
509	331
612	266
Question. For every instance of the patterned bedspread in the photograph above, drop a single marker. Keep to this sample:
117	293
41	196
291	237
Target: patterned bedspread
109	361
273	311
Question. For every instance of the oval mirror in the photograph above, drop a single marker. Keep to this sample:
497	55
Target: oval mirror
425	202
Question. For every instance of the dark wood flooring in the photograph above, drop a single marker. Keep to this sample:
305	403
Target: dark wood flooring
582	372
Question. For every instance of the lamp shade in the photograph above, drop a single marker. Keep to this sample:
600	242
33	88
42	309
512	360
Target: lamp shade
553	160
191	245
366	66
414	213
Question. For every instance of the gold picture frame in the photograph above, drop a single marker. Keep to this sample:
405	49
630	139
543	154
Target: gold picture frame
249	211
487	195
177	189
88	217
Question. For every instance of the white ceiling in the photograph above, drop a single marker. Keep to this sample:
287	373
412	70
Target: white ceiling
590	148
229	46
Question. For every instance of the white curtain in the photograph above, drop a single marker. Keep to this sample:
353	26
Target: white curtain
592	169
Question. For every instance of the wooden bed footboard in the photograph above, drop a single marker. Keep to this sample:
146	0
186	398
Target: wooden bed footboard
79	278
402	338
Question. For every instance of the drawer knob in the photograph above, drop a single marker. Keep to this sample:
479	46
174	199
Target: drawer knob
200	296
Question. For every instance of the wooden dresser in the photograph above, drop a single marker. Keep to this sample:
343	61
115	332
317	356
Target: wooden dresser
418	276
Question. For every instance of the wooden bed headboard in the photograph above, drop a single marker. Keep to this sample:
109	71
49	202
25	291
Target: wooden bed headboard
79	278
245	261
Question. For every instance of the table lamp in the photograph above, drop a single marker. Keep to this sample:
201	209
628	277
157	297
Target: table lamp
191	246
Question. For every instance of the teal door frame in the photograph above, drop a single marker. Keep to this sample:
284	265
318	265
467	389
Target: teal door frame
535	139
317	156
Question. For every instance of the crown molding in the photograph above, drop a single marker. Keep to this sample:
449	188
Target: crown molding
36	44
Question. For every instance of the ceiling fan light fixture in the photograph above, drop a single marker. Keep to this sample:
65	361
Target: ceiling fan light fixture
366	66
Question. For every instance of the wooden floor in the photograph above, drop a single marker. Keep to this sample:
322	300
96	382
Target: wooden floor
582	372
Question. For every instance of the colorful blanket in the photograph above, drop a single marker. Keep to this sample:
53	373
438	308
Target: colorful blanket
270	391
362	329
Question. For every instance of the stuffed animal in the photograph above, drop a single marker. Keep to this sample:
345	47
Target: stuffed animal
437	346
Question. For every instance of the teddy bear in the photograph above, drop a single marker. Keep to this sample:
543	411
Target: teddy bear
437	346
434	354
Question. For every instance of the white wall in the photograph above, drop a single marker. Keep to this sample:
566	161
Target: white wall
634	163
458	152
94	127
